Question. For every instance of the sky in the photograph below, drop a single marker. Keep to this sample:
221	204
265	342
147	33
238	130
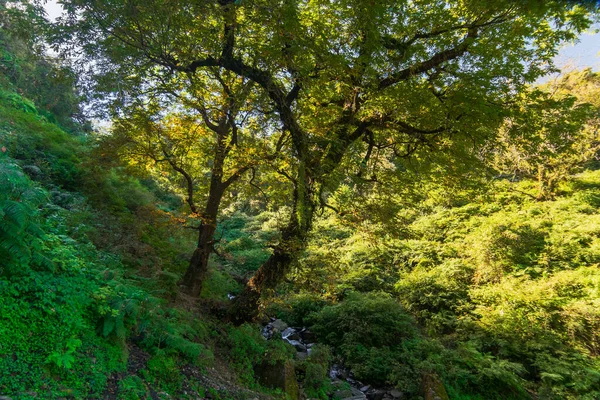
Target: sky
53	9
584	53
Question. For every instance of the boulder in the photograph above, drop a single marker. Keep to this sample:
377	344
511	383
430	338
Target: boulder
267	332
34	172
346	394
338	372
290	334
299	346
357	395
281	375
308	336
396	394
279	326
375	394
433	388
342	394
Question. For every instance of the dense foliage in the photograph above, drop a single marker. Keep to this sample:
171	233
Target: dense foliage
503	289
385	175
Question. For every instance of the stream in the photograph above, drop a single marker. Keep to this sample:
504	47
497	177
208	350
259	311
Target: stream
303	340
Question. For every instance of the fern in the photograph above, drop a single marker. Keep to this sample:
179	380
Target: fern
20	236
17	213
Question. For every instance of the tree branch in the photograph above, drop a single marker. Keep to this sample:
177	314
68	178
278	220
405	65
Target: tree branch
254	185
436	60
188	179
235	176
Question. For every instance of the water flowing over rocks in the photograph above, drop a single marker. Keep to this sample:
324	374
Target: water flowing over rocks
303	340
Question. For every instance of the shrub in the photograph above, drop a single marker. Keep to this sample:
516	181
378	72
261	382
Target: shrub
162	371
132	388
371	319
362	329
295	309
247	348
313	372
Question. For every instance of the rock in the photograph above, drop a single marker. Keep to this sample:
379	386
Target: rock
267	332
433	388
375	394
34	172
279	326
308	336
282	376
299	346
343	394
338	372
290	334
346	394
358	395
396	394
365	388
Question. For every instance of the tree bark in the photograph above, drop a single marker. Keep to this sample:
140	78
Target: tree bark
271	272
195	274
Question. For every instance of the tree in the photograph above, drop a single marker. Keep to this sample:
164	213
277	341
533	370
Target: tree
27	69
554	135
343	77
205	145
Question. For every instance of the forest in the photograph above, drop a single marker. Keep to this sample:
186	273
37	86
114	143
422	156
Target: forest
298	199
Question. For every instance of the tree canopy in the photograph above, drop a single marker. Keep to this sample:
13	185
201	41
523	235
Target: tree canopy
344	78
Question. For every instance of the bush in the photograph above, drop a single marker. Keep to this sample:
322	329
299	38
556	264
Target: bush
436	296
132	388
362	329
313	372
247	348
371	319
162	371
295	309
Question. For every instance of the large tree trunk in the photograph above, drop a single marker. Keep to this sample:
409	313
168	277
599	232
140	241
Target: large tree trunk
271	272
196	273
245	308
293	238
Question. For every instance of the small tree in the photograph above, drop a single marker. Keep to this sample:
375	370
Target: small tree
554	134
204	146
